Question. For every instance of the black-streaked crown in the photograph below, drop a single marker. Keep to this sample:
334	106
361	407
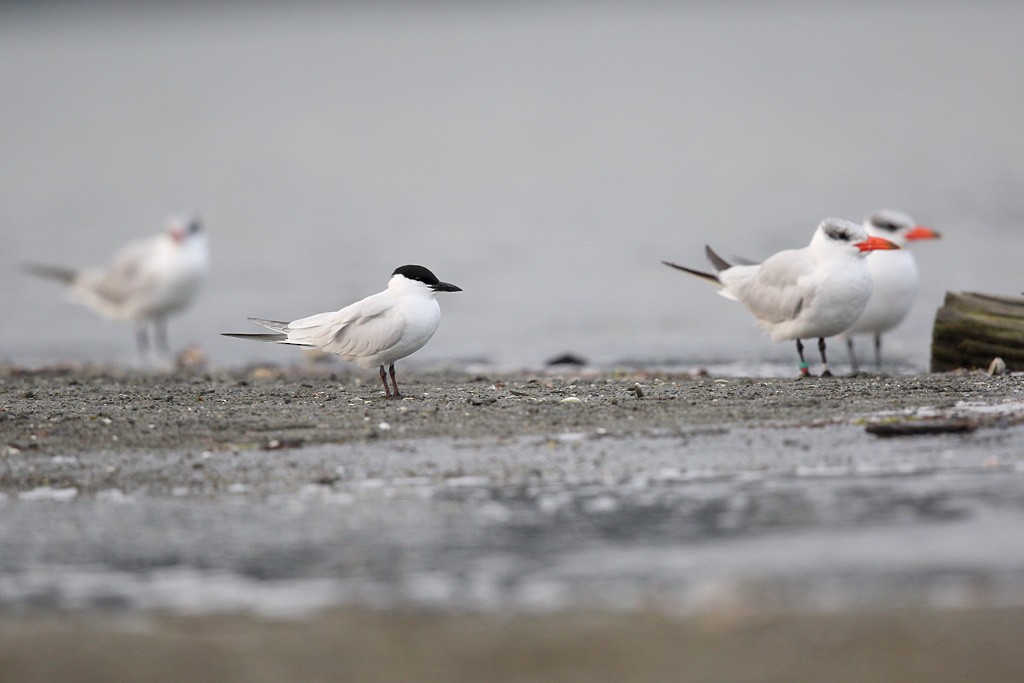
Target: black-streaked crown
889	220
839	231
885	224
418	273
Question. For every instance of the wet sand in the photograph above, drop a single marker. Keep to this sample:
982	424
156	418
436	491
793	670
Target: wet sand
258	433
74	411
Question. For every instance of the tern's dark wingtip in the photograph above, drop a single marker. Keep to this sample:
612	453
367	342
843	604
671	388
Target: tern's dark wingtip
717	261
701	274
58	273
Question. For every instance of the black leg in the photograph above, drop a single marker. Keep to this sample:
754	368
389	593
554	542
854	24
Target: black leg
142	339
160	337
878	350
825	372
803	363
393	382
853	356
384	380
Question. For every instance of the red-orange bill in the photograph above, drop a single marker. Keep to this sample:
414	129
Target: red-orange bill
873	243
919	232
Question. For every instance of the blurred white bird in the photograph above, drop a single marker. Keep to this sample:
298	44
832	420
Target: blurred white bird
378	330
894	279
817	291
145	282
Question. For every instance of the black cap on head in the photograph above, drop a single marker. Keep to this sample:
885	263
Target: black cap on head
421	274
417	273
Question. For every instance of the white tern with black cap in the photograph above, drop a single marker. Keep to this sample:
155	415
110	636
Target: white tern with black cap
375	331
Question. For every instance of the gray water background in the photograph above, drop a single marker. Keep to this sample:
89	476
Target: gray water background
544	156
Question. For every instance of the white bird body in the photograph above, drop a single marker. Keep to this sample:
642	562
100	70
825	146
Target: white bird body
375	331
150	278
146	280
894	287
817	291
794	296
894	278
378	330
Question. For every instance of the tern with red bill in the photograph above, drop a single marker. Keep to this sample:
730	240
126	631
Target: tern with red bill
817	291
145	282
375	331
893	277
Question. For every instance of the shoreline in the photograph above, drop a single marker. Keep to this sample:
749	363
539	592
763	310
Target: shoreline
569	491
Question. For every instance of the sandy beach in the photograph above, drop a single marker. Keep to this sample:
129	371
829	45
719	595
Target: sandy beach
73	410
606	525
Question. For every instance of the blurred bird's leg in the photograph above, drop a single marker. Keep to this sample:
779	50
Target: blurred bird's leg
393	382
825	372
142	339
853	356
878	351
160	337
384	380
804	372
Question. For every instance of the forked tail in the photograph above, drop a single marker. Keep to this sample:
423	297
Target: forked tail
717	261
280	331
710	277
276	337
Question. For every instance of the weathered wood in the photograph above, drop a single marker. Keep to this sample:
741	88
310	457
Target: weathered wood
971	329
972	302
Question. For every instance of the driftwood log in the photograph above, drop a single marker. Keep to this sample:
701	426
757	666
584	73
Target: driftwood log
972	329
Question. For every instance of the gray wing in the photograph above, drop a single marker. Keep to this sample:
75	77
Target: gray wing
127	276
372	325
364	328
775	291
